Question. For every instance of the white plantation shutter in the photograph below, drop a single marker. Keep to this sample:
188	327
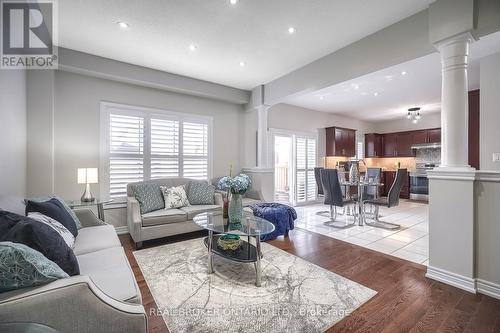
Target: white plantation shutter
141	144
305	161
126	153
195	150
164	148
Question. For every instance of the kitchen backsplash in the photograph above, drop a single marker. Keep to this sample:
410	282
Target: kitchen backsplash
431	155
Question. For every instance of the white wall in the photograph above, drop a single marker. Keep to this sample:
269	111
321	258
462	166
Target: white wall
489	139
432	120
290	117
13	138
76	123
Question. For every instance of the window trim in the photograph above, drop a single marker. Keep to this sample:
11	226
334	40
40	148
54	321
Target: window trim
106	108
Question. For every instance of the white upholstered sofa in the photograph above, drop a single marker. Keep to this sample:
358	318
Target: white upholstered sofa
104	298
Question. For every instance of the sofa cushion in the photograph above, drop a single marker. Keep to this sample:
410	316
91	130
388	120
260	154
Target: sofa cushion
192	211
54	209
164	216
58	227
201	193
39	236
21	266
96	238
110	271
175	197
149	196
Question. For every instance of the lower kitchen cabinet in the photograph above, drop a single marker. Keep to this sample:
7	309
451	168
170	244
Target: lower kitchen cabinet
388	178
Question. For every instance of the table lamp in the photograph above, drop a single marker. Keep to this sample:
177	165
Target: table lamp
87	176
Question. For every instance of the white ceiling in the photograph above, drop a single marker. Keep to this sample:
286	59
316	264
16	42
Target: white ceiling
421	87
253	31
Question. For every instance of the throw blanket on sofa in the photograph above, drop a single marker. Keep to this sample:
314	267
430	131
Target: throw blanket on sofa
282	216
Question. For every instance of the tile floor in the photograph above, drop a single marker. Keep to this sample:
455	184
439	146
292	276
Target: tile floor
411	242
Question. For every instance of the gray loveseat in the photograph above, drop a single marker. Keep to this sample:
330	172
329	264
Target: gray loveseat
103	298
164	222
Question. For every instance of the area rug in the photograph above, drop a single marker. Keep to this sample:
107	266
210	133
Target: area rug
295	296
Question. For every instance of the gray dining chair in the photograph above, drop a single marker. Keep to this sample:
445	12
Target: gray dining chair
334	198
392	200
319	186
372	192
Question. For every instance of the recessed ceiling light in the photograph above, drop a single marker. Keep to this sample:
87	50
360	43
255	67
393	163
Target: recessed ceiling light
355	86
375	94
404	73
192	47
242	64
321	97
292	30
233	2
123	25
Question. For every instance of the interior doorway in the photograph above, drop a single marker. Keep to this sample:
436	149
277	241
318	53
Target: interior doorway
295	157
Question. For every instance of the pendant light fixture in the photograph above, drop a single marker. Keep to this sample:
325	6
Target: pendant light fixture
413	114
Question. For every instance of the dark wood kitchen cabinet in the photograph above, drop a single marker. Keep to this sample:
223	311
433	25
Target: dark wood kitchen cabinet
420	137
404	143
388	178
391	145
340	142
474	128
434	135
374	145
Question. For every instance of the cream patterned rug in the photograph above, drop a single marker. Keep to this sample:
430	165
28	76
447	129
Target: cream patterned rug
296	296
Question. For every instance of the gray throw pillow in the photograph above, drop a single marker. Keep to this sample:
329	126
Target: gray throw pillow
149	196
22	266
201	193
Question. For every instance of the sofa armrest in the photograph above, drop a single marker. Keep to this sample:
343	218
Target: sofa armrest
218	199
134	219
74	304
88	218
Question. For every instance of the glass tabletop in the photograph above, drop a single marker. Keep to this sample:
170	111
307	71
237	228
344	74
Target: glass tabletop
250	225
79	203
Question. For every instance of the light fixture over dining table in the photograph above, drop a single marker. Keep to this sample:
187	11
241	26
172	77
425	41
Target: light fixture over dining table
413	114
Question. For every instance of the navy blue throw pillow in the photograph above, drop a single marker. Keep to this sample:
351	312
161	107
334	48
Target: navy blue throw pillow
40	237
53	208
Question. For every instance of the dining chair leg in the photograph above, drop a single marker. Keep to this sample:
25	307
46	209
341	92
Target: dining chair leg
381	224
338	225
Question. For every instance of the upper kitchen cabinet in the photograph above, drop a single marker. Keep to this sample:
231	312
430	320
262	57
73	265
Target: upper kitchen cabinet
420	137
374	145
434	135
390	145
340	142
404	143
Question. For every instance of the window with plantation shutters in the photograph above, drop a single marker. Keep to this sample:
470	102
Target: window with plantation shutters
141	144
305	161
126	153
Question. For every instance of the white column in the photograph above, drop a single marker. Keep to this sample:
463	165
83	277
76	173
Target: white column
454	102
262	138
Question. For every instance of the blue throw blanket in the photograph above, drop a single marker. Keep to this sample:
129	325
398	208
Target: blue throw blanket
282	216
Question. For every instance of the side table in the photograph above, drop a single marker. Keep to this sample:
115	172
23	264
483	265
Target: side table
98	203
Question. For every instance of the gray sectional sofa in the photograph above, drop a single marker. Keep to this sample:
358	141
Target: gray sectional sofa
164	222
105	296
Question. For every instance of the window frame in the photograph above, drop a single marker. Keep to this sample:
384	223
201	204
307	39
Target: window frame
108	108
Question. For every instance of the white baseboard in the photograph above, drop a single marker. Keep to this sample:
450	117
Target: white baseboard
488	288
121	230
453	279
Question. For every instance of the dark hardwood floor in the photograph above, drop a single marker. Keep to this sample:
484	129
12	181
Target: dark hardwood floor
406	301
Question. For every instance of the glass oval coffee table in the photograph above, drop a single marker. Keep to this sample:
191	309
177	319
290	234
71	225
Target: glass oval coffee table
250	226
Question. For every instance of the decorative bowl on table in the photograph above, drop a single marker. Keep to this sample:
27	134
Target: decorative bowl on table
229	242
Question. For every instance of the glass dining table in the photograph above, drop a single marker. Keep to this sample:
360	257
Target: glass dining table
361	185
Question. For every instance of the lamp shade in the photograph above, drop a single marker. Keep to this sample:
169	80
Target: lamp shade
87	176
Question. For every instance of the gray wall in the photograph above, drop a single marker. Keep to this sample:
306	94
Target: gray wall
13	138
489	111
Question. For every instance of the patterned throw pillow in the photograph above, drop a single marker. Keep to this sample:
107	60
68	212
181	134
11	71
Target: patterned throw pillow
61	230
201	193
21	266
63	203
149	196
54	209
175	197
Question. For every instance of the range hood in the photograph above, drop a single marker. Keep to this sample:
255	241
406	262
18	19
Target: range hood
426	145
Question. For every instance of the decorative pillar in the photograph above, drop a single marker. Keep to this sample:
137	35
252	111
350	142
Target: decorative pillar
454	102
262	137
451	185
